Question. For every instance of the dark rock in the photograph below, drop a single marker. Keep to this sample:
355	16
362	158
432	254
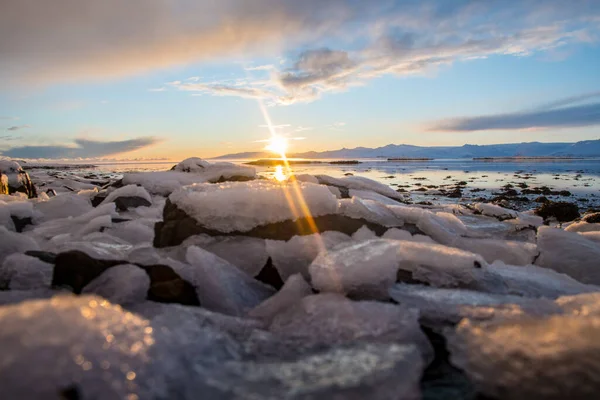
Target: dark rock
269	275
76	269
233	179
44	256
21	223
125	202
16	179
51	192
565	193
561	210
455	194
178	226
119	220
99	198
592	218
71	392
541	199
477	190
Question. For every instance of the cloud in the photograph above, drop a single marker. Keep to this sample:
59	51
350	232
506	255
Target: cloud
17	127
65	40
9	118
571	100
82	148
266	67
568	117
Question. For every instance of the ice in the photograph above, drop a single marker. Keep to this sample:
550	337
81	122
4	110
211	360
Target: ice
533	281
77	224
247	253
306	178
97	245
121	284
569	253
448	306
493	210
554	357
22	272
67	342
587	304
331	319
294	289
241	206
593	236
63	206
369	210
5	217
364	234
583	227
134	232
220	286
165	183
192	164
396	234
95	225
17	296
295	255
128	191
335	191
360	183
12	242
510	252
370	195
20	209
371	371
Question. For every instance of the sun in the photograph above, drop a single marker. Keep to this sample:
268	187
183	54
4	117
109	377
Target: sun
277	144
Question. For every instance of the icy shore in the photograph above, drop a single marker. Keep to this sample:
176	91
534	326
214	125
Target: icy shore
211	281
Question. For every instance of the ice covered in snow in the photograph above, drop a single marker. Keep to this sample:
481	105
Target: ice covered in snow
192	164
370	195
241	206
134	232
508	251
493	210
332	319
63	206
220	286
12	242
583	226
449	306
295	255
593	236
582	304
121	284
97	245
166	182
553	357
82	224
5	217
569	253
369	210
128	191
22	272
20	209
360	183
364	234
294	289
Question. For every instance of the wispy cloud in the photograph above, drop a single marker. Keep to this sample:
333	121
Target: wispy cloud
267	67
17	127
553	116
9	118
81	148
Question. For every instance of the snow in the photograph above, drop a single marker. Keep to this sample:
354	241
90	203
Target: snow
370	195
360	183
128	191
450	306
134	232
493	210
12	242
22	272
82	223
20	209
363	234
369	210
295	255
583	227
331	319
569	253
307	178
63	206
192	164
241	206
554	357
121	284
220	286
5	217
294	289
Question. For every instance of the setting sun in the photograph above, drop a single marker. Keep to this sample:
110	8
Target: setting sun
277	144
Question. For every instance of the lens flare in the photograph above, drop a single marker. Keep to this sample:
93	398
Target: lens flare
277	144
279	174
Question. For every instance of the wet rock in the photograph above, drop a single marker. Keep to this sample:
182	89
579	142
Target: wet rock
561	210
592	218
45	256
51	192
125	203
541	199
17	179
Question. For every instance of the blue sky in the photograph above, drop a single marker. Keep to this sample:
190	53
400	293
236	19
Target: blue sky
155	79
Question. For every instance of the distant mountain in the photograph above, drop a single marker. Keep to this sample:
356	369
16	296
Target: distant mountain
588	148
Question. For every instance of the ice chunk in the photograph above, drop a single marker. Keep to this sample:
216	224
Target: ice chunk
360	183
582	304
364	234
508	251
397	234
192	164
583	227
53	228
370	195
96	245
295	255
95	225
593	236
493	210
569	253
370	211
63	206
20	209
306	178
294	289
331	319
17	296
220	286
22	272
554	357
449	306
121	284
371	371
5	217
128	191
241	206
12	242
134	232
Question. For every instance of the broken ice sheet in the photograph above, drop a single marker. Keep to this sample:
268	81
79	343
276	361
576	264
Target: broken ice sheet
121	284
294	289
530	358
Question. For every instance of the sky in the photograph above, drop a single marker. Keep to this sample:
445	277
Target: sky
170	79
